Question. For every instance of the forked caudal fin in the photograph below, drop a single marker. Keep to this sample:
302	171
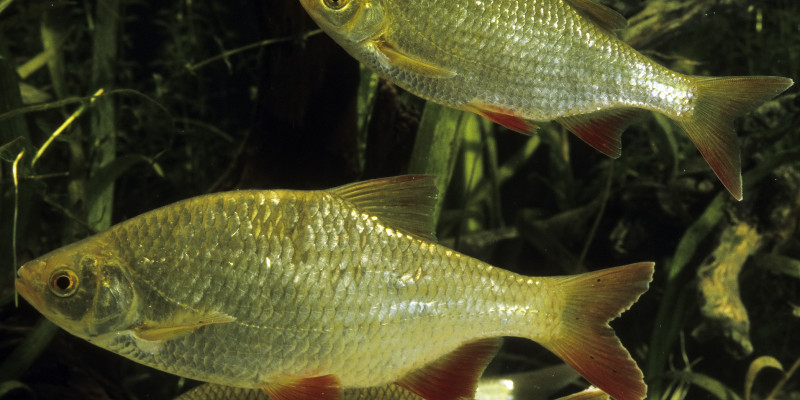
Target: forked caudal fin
586	342
718	102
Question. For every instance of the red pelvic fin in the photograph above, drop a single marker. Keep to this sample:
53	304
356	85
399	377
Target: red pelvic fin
586	342
503	117
710	125
455	375
325	387
601	130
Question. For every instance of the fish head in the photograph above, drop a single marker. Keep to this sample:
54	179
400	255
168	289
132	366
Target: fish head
348	21
83	288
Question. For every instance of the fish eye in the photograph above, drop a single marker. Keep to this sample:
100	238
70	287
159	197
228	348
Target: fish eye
335	4
63	283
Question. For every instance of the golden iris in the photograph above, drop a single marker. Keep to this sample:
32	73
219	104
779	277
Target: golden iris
63	283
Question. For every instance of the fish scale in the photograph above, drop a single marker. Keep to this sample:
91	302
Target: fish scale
248	289
287	261
512	85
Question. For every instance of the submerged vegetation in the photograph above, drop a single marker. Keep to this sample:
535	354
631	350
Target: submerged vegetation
109	109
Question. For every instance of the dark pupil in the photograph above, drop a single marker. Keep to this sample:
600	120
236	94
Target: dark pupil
63	282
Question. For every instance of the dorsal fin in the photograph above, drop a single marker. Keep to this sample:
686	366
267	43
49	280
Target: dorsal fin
599	14
455	375
403	202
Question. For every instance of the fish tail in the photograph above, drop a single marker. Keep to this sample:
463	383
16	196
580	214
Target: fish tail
586	342
718	101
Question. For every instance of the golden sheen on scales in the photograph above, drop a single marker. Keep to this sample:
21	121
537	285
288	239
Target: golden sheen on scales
515	61
306	293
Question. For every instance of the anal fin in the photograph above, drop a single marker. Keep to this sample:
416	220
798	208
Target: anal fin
601	130
324	387
455	375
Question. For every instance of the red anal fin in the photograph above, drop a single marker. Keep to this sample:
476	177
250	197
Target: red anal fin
586	342
455	375
601	130
325	387
504	118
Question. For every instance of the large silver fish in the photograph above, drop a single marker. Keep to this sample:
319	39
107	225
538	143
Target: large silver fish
304	293
517	61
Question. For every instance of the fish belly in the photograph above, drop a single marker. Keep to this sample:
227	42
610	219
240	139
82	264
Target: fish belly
539	59
315	288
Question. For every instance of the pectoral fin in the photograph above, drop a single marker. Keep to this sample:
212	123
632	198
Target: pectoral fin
410	62
325	387
179	325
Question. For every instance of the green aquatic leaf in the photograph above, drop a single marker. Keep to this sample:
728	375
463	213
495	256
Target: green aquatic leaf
706	382
668	139
777	263
9	151
107	174
755	367
26	353
436	148
10	386
674	307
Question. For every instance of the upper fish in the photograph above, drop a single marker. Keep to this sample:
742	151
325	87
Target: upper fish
518	61
305	293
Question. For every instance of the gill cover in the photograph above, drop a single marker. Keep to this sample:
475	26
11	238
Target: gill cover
82	287
115	297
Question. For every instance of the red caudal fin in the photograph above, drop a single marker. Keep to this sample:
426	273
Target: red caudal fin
324	387
718	102
586	342
454	376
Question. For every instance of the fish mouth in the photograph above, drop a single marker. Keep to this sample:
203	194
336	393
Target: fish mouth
23	283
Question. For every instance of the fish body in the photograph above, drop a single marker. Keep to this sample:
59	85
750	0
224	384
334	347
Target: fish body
210	391
303	293
515	62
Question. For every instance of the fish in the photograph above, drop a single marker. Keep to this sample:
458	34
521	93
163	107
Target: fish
210	391
520	61
537	384
306	293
